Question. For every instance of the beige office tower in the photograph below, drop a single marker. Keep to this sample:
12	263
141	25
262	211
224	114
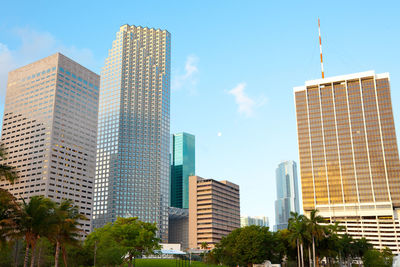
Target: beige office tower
214	210
49	131
349	161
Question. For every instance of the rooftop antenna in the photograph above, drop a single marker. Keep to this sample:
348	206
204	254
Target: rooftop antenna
320	49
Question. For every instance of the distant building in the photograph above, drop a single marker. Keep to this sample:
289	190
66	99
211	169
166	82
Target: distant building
214	210
183	166
257	220
287	193
178	227
50	129
349	161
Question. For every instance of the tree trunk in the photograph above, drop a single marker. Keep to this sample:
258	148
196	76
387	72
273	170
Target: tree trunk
33	254
130	261
57	255
313	250
309	256
26	255
16	253
64	254
298	253
39	256
302	254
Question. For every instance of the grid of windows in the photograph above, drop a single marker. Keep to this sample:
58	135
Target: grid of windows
50	130
132	169
348	153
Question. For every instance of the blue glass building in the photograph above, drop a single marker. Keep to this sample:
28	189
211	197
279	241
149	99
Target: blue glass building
287	193
133	167
183	166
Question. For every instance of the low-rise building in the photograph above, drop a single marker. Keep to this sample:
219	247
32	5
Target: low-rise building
214	210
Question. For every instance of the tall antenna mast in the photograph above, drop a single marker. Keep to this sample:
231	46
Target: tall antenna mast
320	49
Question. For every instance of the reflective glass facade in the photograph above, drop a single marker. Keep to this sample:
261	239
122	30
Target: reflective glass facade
132	171
183	166
349	162
287	193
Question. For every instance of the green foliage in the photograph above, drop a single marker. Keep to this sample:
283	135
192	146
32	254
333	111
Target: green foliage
7	173
127	237
102	243
248	245
376	258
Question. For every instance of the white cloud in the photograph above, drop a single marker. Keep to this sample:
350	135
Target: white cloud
33	46
246	105
188	79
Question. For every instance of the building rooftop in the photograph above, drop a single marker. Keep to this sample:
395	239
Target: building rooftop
339	78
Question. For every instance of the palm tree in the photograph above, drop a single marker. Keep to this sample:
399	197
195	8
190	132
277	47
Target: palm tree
33	222
65	228
9	211
204	245
7	173
315	229
298	234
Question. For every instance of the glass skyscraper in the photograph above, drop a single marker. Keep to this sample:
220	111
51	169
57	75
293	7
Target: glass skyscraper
287	192
132	170
183	166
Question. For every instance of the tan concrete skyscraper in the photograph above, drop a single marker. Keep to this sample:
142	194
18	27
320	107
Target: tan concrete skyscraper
49	131
349	161
214	210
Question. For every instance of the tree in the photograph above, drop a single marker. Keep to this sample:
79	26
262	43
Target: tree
298	234
64	228
33	222
7	173
9	211
375	258
122	241
315	229
248	245
102	245
204	245
135	237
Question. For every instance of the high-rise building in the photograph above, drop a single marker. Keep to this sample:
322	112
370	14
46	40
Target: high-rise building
214	210
256	220
133	167
287	193
349	161
183	166
50	129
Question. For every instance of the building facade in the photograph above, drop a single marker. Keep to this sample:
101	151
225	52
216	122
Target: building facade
178	232
287	193
133	168
214	210
50	129
257	220
349	161
183	166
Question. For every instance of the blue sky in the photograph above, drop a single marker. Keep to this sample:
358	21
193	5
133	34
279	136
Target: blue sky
234	64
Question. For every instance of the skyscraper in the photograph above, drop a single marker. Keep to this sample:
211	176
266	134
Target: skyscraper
183	166
349	161
50	129
287	192
133	168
